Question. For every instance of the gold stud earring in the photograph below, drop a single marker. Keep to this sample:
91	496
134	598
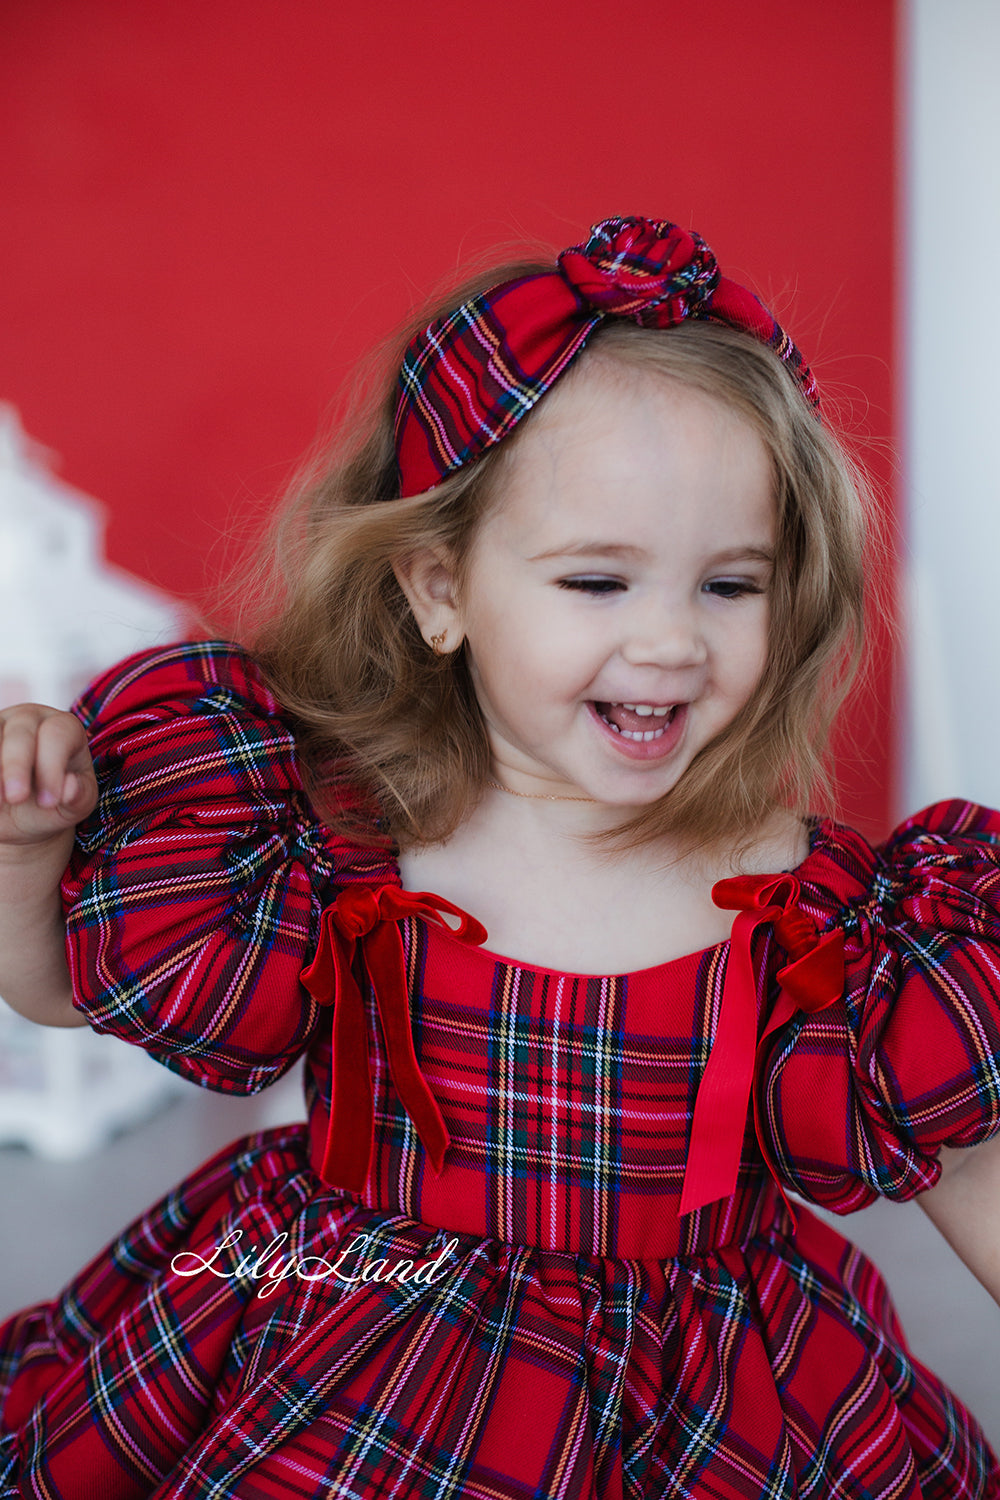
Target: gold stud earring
437	643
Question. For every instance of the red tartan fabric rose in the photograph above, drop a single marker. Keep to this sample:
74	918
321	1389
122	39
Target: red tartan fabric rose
649	270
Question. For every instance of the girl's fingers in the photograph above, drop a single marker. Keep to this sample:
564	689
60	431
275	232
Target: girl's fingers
17	755
43	751
61	748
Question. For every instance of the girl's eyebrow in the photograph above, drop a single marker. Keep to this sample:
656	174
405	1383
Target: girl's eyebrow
750	553
745	554
592	549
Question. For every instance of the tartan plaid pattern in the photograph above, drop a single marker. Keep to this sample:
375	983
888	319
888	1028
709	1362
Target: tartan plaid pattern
545	1325
922	941
197	884
470	376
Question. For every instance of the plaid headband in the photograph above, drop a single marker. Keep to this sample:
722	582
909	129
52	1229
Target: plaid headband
469	378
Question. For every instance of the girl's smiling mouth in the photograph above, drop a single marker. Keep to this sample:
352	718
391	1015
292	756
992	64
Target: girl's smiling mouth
642	730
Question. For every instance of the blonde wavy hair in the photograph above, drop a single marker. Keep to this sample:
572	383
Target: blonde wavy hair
391	737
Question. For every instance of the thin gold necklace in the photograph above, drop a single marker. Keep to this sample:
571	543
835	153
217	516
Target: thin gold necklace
537	796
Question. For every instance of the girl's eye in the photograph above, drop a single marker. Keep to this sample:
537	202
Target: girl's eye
592	585
732	588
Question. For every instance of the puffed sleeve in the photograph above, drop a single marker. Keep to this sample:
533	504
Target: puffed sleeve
193	896
858	1098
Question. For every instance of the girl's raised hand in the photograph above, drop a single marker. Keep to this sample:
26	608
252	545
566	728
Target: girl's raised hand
47	781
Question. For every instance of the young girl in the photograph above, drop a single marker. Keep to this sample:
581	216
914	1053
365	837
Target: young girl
503	826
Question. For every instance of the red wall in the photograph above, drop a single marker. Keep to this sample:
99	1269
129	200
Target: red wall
211	209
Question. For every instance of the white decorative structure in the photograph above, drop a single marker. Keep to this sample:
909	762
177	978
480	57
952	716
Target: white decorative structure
65	615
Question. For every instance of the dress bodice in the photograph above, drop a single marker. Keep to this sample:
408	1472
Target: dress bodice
568	1101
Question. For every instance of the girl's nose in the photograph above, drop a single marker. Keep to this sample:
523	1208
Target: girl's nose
665	637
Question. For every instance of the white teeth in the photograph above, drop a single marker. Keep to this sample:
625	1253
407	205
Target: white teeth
645	709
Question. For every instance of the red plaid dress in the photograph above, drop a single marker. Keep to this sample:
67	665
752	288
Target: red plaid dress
538	1319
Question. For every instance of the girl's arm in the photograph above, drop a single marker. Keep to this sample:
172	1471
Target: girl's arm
47	785
964	1205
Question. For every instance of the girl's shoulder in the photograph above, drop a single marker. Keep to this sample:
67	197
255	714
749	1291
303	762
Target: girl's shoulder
193	714
191	730
938	868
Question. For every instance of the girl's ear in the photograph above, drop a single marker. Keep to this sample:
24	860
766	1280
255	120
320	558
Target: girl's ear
427	578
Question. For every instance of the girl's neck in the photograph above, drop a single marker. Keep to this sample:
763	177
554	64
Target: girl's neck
549	897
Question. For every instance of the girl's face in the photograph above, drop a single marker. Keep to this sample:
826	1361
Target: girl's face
616	600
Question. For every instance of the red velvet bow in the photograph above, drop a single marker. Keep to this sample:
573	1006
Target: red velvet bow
812	979
362	922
